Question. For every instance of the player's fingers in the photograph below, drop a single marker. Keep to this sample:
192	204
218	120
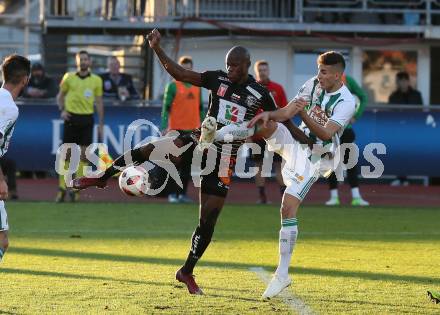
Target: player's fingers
252	122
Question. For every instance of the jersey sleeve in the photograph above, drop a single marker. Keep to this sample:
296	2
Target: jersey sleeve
268	102
64	85
98	88
210	79
355	89
306	90
343	112
7	119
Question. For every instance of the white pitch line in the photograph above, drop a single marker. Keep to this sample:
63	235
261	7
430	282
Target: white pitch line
294	302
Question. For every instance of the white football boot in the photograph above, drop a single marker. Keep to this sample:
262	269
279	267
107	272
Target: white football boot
275	286
208	128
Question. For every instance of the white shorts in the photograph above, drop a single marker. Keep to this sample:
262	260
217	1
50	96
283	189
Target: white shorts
3	217
299	173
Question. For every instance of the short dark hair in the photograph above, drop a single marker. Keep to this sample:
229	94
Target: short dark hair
332	58
83	52
402	75
14	68
185	59
37	66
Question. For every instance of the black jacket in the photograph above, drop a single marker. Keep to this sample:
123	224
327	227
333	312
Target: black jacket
46	84
412	96
110	88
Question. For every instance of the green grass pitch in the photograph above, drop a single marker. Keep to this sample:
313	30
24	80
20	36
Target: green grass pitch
121	258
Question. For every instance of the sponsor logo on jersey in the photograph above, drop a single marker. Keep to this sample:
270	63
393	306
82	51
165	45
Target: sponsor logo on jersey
235	97
224	79
222	90
254	92
318	115
251	101
230	112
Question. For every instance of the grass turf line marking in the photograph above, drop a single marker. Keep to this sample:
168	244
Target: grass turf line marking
288	298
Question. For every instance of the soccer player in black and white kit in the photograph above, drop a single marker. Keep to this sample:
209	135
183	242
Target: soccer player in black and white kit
235	97
16	70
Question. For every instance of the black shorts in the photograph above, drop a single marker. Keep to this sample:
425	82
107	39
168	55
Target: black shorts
79	129
258	157
217	182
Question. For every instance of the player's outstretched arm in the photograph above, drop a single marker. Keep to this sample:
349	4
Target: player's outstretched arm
173	68
282	114
324	133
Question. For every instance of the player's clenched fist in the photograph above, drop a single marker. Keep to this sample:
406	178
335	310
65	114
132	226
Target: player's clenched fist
300	104
154	38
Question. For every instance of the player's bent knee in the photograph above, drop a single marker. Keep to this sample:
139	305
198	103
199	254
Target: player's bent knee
289	206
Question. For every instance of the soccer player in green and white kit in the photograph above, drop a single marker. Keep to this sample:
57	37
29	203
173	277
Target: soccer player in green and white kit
16	70
328	108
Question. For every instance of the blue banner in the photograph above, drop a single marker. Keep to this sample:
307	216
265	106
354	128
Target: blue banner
411	137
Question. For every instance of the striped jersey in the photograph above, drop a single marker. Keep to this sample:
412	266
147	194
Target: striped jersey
8	117
234	103
338	107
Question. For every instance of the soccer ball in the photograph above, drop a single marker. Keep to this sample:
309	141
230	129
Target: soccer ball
133	181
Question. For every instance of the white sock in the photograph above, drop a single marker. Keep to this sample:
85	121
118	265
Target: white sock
234	131
355	192
333	193
288	235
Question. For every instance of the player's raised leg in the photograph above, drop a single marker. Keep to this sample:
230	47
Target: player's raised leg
165	148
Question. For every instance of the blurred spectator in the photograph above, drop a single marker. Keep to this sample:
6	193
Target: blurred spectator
404	94
139	7
9	169
182	111
59	7
261	69
118	85
108	9
40	85
348	136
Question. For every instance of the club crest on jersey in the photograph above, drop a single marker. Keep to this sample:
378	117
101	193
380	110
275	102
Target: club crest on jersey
251	101
222	90
230	112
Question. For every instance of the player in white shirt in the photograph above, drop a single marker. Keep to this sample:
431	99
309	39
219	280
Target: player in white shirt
326	107
16	70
